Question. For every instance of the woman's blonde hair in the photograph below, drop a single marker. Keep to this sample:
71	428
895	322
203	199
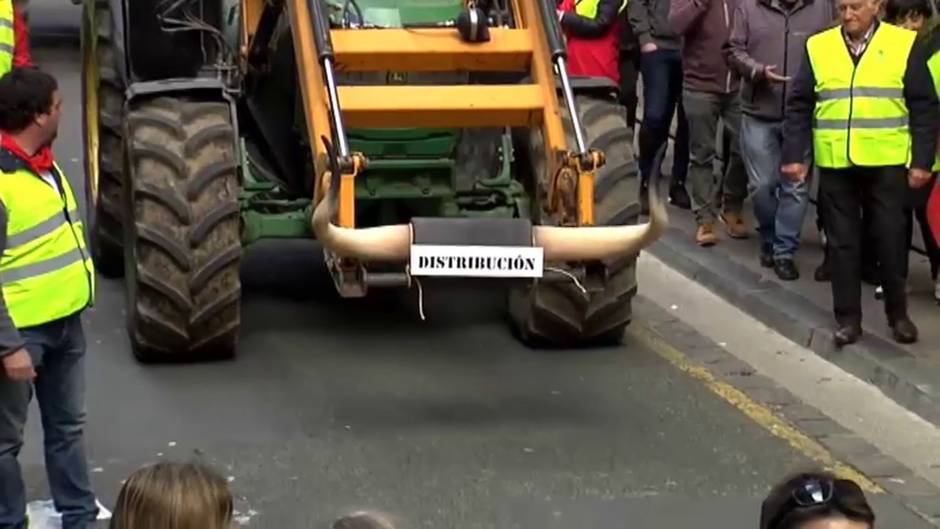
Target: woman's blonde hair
174	496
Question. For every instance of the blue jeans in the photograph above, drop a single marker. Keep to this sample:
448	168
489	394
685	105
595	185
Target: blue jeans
58	353
779	204
662	97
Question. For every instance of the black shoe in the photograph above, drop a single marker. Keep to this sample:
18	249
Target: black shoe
678	196
904	330
823	274
846	335
786	269
767	260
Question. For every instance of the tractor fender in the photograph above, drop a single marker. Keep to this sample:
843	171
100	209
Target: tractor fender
116	8
595	86
205	87
600	87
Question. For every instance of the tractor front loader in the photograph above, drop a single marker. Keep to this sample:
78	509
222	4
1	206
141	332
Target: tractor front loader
412	139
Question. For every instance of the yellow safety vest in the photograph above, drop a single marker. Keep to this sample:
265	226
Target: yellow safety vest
861	117
588	8
934	65
46	271
7	36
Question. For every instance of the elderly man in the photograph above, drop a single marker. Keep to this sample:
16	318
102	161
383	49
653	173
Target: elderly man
864	99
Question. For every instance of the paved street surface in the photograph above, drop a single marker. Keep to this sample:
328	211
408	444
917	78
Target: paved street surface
336	405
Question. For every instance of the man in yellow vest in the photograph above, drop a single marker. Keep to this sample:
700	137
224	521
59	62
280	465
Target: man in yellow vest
864	100
14	36
592	28
46	280
932	207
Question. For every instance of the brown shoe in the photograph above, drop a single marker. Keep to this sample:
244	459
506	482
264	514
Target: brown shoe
705	236
735	225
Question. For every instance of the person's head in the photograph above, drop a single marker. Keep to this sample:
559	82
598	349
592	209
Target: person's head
858	15
30	104
816	500
174	496
909	14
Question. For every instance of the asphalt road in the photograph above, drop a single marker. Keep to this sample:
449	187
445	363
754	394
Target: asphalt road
337	405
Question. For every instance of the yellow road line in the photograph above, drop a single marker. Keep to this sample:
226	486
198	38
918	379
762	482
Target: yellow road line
755	411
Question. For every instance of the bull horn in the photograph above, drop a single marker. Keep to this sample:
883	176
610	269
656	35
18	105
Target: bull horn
607	242
382	243
603	242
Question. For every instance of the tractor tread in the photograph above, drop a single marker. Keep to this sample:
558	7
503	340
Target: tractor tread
560	314
207	174
186	238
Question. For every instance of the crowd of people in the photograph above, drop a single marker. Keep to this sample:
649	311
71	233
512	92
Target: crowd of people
844	91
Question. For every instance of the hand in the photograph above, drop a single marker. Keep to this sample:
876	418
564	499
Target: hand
19	366
918	177
771	75
649	47
796	172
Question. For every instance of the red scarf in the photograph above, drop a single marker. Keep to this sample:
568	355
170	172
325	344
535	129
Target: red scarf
39	162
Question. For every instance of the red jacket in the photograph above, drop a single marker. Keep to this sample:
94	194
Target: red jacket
21	55
593	45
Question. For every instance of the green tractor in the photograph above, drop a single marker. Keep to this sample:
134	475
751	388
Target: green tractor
414	140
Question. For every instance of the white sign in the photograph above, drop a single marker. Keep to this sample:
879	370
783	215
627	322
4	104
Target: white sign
477	261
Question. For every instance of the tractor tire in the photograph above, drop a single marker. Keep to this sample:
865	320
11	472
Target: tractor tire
559	313
183	239
103	96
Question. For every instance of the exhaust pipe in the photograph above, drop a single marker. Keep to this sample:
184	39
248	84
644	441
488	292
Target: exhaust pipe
393	243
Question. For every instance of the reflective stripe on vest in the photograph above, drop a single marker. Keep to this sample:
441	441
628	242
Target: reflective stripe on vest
861	117
933	64
7	37
46	270
588	8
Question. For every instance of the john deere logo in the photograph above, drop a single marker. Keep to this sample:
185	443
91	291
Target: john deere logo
397	78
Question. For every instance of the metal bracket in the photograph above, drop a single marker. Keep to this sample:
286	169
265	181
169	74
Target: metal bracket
570	195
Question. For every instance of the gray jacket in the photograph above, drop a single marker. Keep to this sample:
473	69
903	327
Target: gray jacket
650	22
768	33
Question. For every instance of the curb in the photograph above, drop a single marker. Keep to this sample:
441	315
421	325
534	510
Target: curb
915	493
903	378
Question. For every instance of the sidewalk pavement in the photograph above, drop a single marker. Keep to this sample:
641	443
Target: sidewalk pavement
801	309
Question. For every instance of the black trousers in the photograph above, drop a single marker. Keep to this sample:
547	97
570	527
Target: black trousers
629	76
879	194
915	207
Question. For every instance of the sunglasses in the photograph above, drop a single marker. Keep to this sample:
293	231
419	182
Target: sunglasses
810	493
813	492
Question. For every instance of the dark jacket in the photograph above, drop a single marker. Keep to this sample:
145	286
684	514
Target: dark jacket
10	339
704	26
650	21
769	33
629	44
919	94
